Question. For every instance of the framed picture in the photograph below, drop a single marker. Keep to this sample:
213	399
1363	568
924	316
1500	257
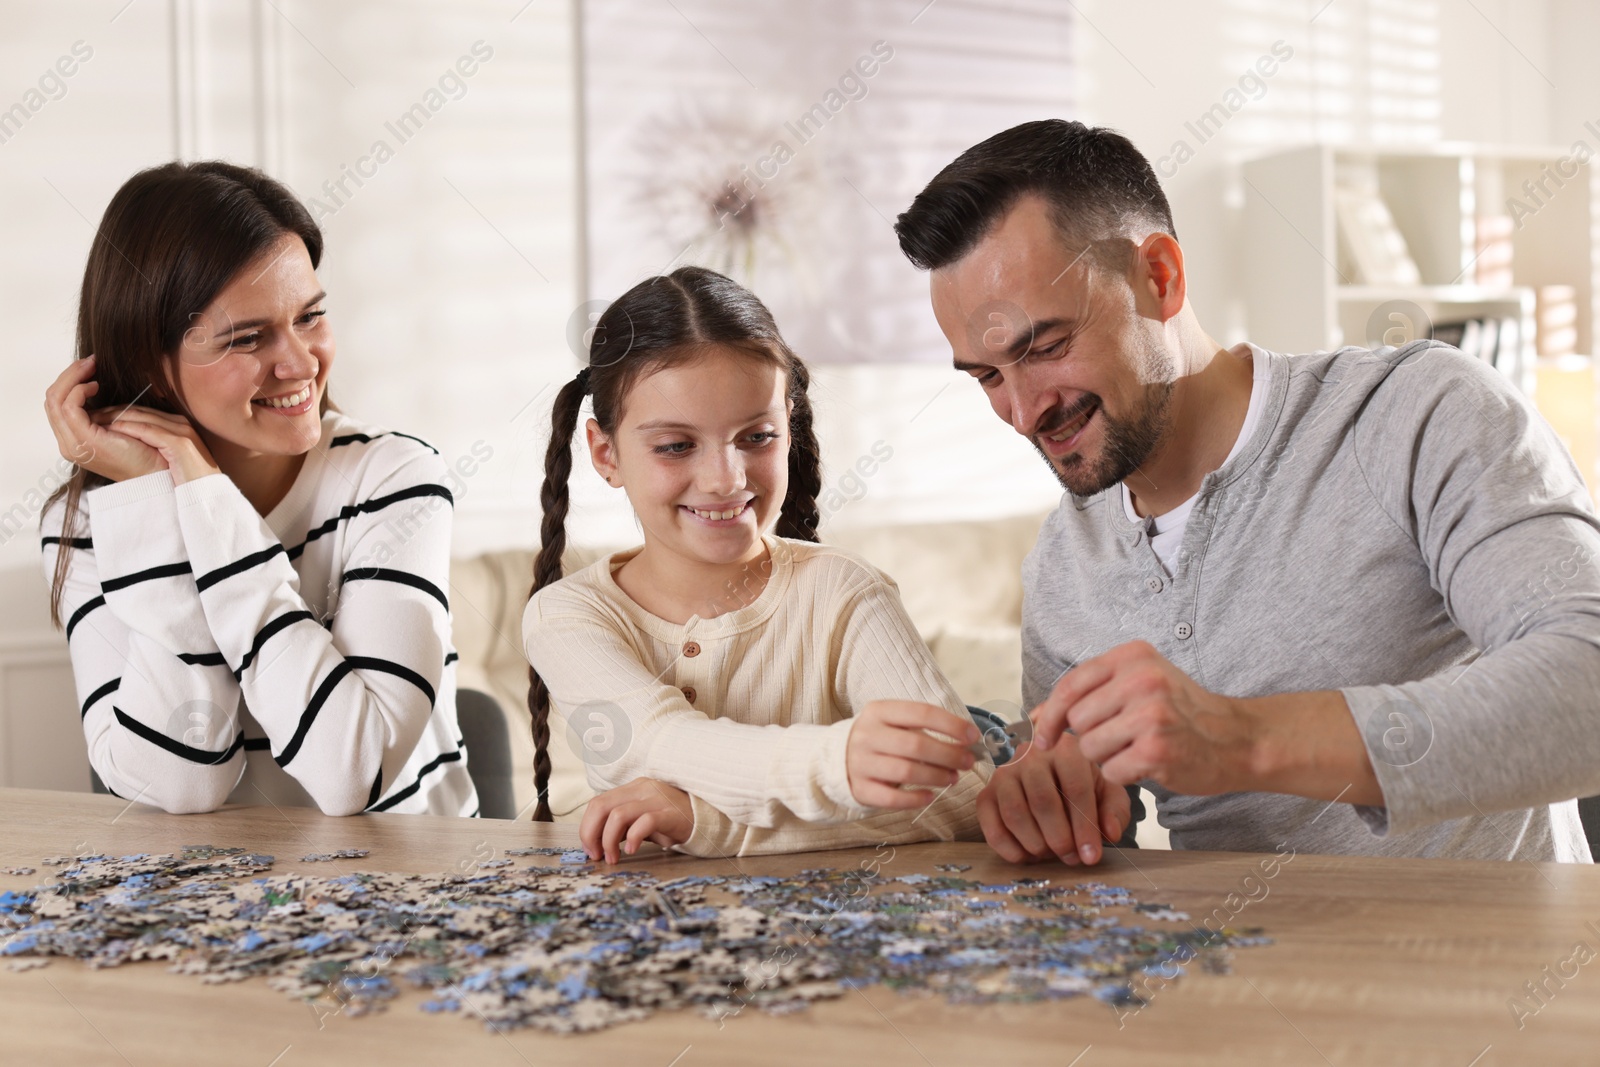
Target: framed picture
776	142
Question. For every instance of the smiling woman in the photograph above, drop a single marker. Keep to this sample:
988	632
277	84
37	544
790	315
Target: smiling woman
228	640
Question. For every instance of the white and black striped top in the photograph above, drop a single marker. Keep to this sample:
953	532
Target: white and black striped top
301	658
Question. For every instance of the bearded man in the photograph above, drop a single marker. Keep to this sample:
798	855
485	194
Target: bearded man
1342	602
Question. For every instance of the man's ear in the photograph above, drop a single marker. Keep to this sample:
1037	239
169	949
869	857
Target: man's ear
1160	283
602	453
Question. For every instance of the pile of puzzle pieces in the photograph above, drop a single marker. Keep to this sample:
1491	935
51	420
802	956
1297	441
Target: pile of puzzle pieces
569	948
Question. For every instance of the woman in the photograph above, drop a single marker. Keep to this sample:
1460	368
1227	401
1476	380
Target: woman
252	583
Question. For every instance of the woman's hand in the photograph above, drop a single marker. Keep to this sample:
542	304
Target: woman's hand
629	815
890	747
87	440
172	438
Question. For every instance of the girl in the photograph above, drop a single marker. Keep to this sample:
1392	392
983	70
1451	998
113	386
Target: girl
252	583
730	691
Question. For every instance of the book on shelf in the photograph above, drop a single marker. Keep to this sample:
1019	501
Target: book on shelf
1497	340
1493	251
1508	353
1370	242
1451	333
1488	339
1556	320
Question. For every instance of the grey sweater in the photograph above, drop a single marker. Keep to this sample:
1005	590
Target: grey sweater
1402	526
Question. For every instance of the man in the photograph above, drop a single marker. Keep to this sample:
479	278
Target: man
1343	602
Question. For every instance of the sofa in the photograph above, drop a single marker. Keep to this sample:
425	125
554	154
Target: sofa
961	583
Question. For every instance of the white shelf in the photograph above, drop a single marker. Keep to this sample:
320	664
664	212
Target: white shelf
1299	300
1438	294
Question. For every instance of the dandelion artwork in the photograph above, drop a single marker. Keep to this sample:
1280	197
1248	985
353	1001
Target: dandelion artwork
776	142
729	191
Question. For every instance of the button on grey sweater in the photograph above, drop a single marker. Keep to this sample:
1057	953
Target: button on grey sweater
1402	526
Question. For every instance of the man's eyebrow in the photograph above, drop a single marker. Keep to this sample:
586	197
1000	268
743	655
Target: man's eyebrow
1019	348
251	324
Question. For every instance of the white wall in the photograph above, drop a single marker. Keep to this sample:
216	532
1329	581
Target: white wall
1574	30
453	272
56	173
1504	71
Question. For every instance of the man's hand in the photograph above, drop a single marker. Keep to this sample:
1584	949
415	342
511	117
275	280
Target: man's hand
1139	717
890	746
1052	805
621	819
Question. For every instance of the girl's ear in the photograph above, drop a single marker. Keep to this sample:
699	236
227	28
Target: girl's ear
603	454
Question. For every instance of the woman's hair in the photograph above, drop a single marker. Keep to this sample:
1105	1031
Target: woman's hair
662	322
172	238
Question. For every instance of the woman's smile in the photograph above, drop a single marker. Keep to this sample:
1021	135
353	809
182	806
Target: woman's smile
296	403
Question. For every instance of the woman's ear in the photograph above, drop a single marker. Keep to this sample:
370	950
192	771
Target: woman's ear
164	394
603	454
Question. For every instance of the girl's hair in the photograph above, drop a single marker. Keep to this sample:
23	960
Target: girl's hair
172	238
662	322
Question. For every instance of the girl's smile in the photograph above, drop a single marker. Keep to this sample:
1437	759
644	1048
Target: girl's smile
720	514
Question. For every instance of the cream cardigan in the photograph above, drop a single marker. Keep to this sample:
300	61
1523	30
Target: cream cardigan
747	710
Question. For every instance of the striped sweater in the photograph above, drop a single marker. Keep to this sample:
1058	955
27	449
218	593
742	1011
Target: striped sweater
749	711
301	658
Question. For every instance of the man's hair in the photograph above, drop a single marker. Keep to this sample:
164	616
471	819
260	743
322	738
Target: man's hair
1097	183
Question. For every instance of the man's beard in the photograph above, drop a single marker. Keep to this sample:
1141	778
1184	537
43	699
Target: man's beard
1128	442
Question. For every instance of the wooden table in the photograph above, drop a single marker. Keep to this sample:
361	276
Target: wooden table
1376	961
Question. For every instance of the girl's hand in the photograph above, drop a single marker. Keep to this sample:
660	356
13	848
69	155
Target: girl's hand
87	440
173	438
890	747
629	815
